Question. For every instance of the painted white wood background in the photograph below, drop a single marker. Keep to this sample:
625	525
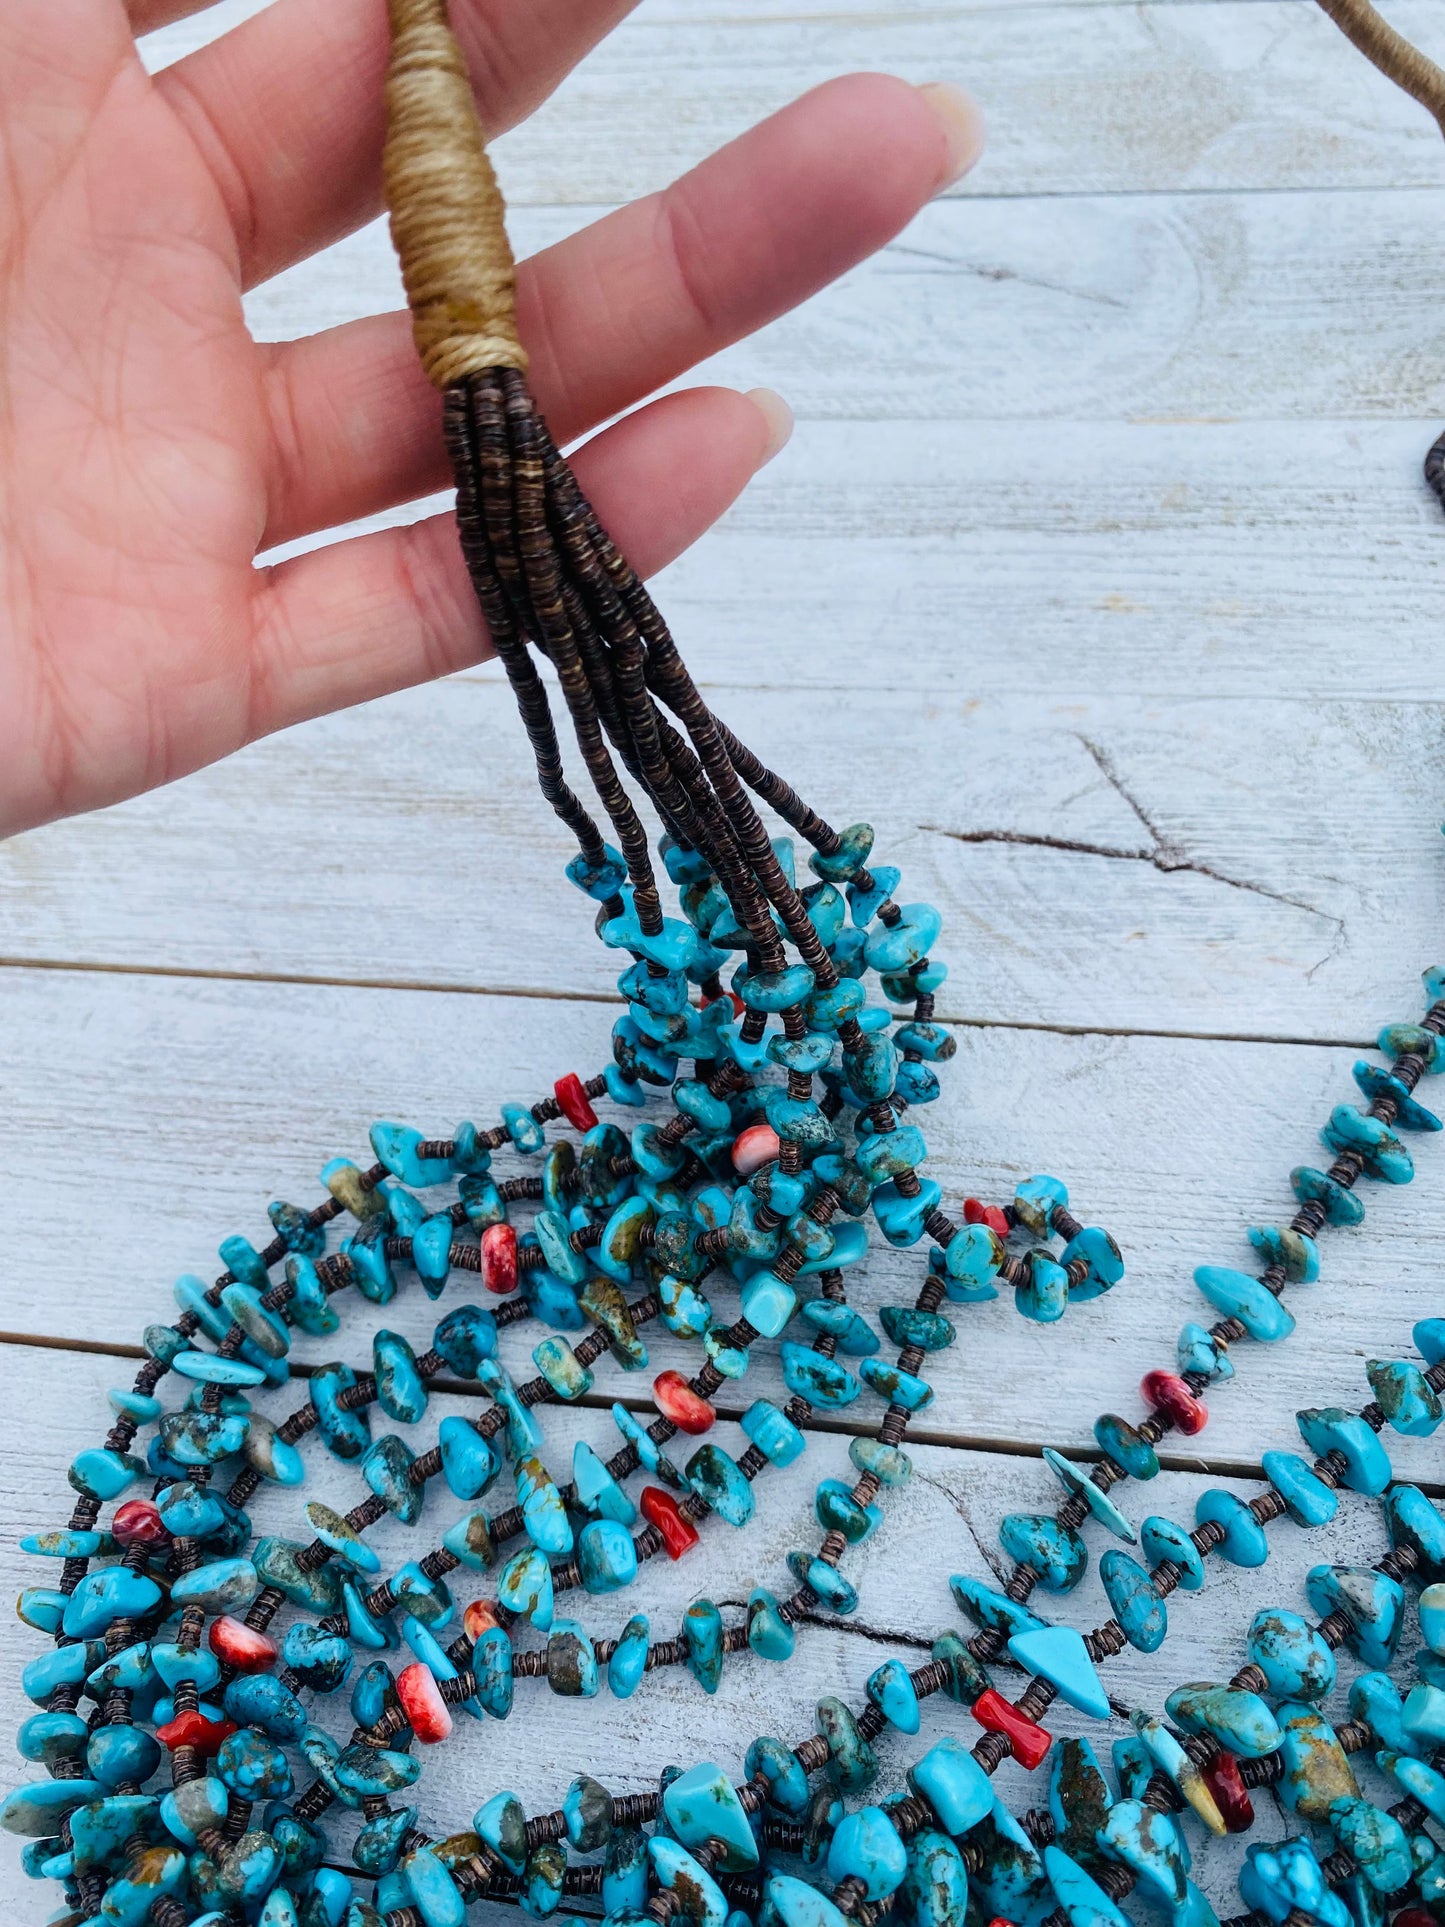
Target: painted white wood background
1108	588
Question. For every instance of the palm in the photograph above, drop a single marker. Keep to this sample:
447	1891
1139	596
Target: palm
149	448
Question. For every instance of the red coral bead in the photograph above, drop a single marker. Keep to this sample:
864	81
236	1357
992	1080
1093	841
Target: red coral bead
1166	1392
753	1148
242	1646
659	1509
499	1259
676	1400
989	1214
1030	1741
422	1702
999	1921
193	1729
138	1523
1225	1781
576	1105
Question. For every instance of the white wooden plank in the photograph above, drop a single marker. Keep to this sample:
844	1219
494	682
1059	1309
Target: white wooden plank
1267	869
174	1110
943	1522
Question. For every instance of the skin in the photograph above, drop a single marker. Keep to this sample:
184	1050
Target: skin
150	450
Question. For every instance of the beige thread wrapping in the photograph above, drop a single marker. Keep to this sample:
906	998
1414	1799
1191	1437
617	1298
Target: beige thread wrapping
446	208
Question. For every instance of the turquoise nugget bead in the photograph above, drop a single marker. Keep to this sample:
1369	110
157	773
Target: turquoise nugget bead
769	1634
492	1669
1423	1717
399	1389
677	1872
701	1804
49	1738
935	1892
254	1767
903	1220
1128	1448
702	1631
1432	1617
1311	1186
1103	1257
102	1474
223	1586
42	1607
891	1689
1410	1115
1239	1296
811	1376
1278	1879
117	1754
1405	1396
524	1585
464	1338
796	1904
1244	1543
469	1464
428	1599
892	1383
606	1556
1329	1429
66	1543
387	1470
1044	1296
543	1514
1081	1897
1059	1654
542	1889
431	1245
831	1588
1420	1781
36	1809
568	1377
1294	1251
1034	1201
898	946
1372	1602
1382	1153
1099	1503
1316	1772
597	1492
866	1847
1309	1500
768	1303
1376	1698
1136	1605
1414	1522
571	1660
346	1434
103	1597
1011	1876
470	1540
715	1476
371	1270
433	1891
629	1658
852	1763
778	1764
836	1510
1133	1833
213	1370
1037	1540
954	1785
889	1465
624	1872
856	1338
1240	1721
1295	1661
994	1611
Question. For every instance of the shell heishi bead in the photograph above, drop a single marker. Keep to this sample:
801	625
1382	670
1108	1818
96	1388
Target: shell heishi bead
677	1401
422	1702
754	1147
1029	1740
244	1647
660	1509
1167	1393
499	1258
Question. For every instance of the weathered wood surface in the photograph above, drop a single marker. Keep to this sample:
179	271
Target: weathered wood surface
1100	575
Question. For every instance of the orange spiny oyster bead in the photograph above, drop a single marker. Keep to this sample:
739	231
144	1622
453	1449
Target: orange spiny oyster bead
242	1646
659	1508
753	1148
499	1259
480	1617
676	1400
422	1702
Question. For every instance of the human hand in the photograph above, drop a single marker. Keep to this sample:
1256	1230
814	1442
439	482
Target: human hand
150	449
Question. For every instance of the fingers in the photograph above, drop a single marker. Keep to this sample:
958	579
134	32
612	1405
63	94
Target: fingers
345	624
147	15
634	301
287	108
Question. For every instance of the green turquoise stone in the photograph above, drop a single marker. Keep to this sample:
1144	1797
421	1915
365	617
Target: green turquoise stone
715	1476
1035	1200
964	1678
780	1767
852	1763
935	1889
1239	1296
1128	1448
1240	1721
866	1847
1059	1655
277	1564
1405	1396
702	1639
1132	1598
769	1634
773	1432
1329	1429
587	1808
1244	1543
605	1305
1316	1772
1414	1521
492	1669
346	1434
1037	1540
596	1491
891	1382
470	1540
890	1687
836	1510
1372	1603
629	1658
930	1331
702	1804
373	1771
606	1556
387	1470
1079	1796
1295	1251
676	1872
994	1611
1079	1894
953	1783
889	1465
1079	1485
266	1331
543	1513
340	1537
571	1660
562	1369
1295	1661
1309	1500
822	1380
399	1389
269	1454
1149	1843
855	1336
524	1586
796	1904
1313	1187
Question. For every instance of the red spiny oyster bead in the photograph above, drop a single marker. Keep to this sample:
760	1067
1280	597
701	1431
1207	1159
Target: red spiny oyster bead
1225	1781
999	1921
422	1702
1167	1392
194	1729
138	1523
499	1259
676	1400
753	1148
479	1617
659	1508
989	1214
1412	1917
576	1105
1030	1741
242	1646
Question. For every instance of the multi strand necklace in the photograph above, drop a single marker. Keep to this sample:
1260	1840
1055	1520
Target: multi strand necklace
174	1715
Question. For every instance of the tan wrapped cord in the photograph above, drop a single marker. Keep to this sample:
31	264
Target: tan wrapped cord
447	217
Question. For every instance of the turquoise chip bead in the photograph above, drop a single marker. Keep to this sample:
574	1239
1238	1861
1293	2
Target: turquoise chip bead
1330	1429
1244	1542
568	1377
832	1590
1240	1721
1126	1446
1135	1604
795	1904
103	1597
606	1556
103	1474
387	1470
1405	1396
1413	1521
954	1785
779	1766
596	1492
1150	1844
677	1872
543	1514
822	1380
1295	1252
715	1476
890	1687
702	1804
1078	1893
994	1611
1239	1296
1295	1661
1277	1880
1376	1698
222	1586
866	1847
629	1658
42	1607
1309	1500
852	1763
67	1543
493	1671
470	1540
1035	1200
702	1639
1410	1114
1431	1606
837	1510
1077	1483
892	1383
346	1434
434	1893
856	1337
1423	1717
768	1303
769	1634
1371	1602
888	1464
1419	1781
1199	1351
1044	1295
935	1892
1037	1540
1313	1187
524	1586
469	1464
1059	1655
399	1389
572	1670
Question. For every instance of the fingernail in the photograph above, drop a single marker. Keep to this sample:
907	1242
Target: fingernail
961	119
779	417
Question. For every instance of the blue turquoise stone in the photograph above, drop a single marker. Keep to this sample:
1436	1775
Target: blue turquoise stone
1313	1187
1372	1602
1295	1661
1149	1843
173	1663
1405	1396
137	1405
702	1631
36	1809
1384	1156
524	1432
395	1146
1034	1201
1240	1721
543	1514
1078	1893
685	1310
1377	1841
399	1389
890	1687
889	1465
768	1303
493	1671
1079	1796
606	1556
202	1438
1128	1448
769	1634
338	1535
1316	1772
795	1904
881	1157
469	1464
599	878
1431	1606
311	1308
1095	1248
42	1607
903	1220
222	1586
629	1658
827	1584
1239	1296
1295	1252
1420	1781
260	1700
372	1770
428	1598
898	946
1410	1114
253	1766
371	1271
67	1543
822	1380
774	990
387	1470
470	1540
1277	1880
856	1337
702	1804
779	1766
1044	1295
1010	1878
571	1660
524	1586
836	1510
117	1754
66	1666
1168	1754
731	1360
209	1369
103	1597
624	1872
992	1610
935	1891
596	1491
852	1763
866	1846
1132	1598
465	1337
1309	1500
715	1476
1059	1655
1428	1337
1376	1698
541	1891
1423	1716
1244	1542
892	1383
1099	1503
971	1262
1329	1429
346	1434
49	1738
953	1783
363	1627
1037	1540
648	1453
677	1872
434	1893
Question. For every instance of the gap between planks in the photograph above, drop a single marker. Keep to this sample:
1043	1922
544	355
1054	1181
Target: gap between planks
1222	1468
